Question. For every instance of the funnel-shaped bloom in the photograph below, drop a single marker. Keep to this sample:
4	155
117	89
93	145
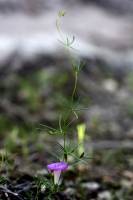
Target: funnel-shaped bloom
57	168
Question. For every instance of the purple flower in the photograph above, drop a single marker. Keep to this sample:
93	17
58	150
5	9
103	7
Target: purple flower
57	168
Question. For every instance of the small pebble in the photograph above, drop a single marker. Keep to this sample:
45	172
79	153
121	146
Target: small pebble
91	186
105	195
70	191
110	85
127	184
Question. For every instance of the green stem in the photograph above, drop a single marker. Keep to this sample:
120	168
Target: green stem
64	141
65	156
75	85
60	126
64	136
59	29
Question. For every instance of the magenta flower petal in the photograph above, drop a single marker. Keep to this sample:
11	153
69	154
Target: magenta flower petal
59	166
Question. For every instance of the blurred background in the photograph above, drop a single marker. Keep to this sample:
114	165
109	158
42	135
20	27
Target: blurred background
34	65
36	75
